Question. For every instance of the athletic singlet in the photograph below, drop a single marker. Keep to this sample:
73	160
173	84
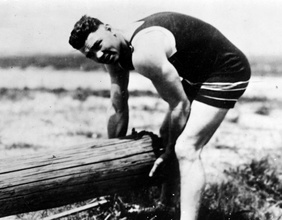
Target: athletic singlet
203	56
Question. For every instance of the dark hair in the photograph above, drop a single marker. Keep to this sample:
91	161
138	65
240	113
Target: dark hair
82	29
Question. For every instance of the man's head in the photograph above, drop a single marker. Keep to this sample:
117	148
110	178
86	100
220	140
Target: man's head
95	40
82	29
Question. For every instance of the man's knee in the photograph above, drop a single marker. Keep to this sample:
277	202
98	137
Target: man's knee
187	149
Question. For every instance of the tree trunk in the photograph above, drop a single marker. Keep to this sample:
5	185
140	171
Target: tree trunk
47	180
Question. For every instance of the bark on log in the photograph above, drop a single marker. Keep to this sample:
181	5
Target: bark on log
73	174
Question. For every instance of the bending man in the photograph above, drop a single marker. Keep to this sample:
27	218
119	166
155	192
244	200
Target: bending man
194	68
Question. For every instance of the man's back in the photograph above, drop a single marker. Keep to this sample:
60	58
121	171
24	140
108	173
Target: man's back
201	48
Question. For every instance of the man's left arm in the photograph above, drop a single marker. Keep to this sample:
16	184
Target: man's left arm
170	89
152	62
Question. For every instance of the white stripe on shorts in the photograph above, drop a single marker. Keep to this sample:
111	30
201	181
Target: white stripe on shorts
210	97
221	86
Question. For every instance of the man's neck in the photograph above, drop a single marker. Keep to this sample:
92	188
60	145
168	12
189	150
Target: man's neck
128	30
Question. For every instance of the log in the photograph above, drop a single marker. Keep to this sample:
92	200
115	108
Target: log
47	180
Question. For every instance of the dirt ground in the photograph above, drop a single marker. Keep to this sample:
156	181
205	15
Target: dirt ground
36	116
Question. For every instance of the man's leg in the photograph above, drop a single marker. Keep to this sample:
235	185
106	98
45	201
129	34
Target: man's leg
202	123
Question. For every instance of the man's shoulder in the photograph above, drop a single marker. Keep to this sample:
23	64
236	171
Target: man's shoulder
155	38
145	52
152	46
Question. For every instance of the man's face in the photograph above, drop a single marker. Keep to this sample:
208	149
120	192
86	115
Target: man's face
102	46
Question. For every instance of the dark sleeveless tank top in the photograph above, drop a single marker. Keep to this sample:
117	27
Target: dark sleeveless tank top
201	48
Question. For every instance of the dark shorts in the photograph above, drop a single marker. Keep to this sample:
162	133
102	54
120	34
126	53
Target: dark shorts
223	87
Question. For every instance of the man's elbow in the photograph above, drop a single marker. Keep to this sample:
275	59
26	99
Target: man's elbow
183	105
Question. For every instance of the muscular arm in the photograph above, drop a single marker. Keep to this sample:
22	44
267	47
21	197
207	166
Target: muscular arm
151	61
118	117
171	90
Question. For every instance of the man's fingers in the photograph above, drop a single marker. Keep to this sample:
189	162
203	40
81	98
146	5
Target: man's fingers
156	164
153	170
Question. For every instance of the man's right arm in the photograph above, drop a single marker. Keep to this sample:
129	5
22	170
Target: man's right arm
119	113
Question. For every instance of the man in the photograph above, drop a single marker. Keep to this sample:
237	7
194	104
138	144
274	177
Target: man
195	69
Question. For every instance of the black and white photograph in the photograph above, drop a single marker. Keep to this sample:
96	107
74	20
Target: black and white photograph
140	110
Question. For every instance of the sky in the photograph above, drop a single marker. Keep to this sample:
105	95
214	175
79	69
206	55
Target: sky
43	26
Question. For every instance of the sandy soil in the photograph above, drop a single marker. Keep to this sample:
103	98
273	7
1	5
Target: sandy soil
39	120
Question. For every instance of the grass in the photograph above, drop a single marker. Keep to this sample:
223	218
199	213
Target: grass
58	62
263	110
252	191
80	94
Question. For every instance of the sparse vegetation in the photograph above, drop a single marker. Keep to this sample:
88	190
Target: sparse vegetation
252	191
263	110
58	62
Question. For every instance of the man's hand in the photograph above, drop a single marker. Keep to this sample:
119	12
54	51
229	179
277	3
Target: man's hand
160	161
157	163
